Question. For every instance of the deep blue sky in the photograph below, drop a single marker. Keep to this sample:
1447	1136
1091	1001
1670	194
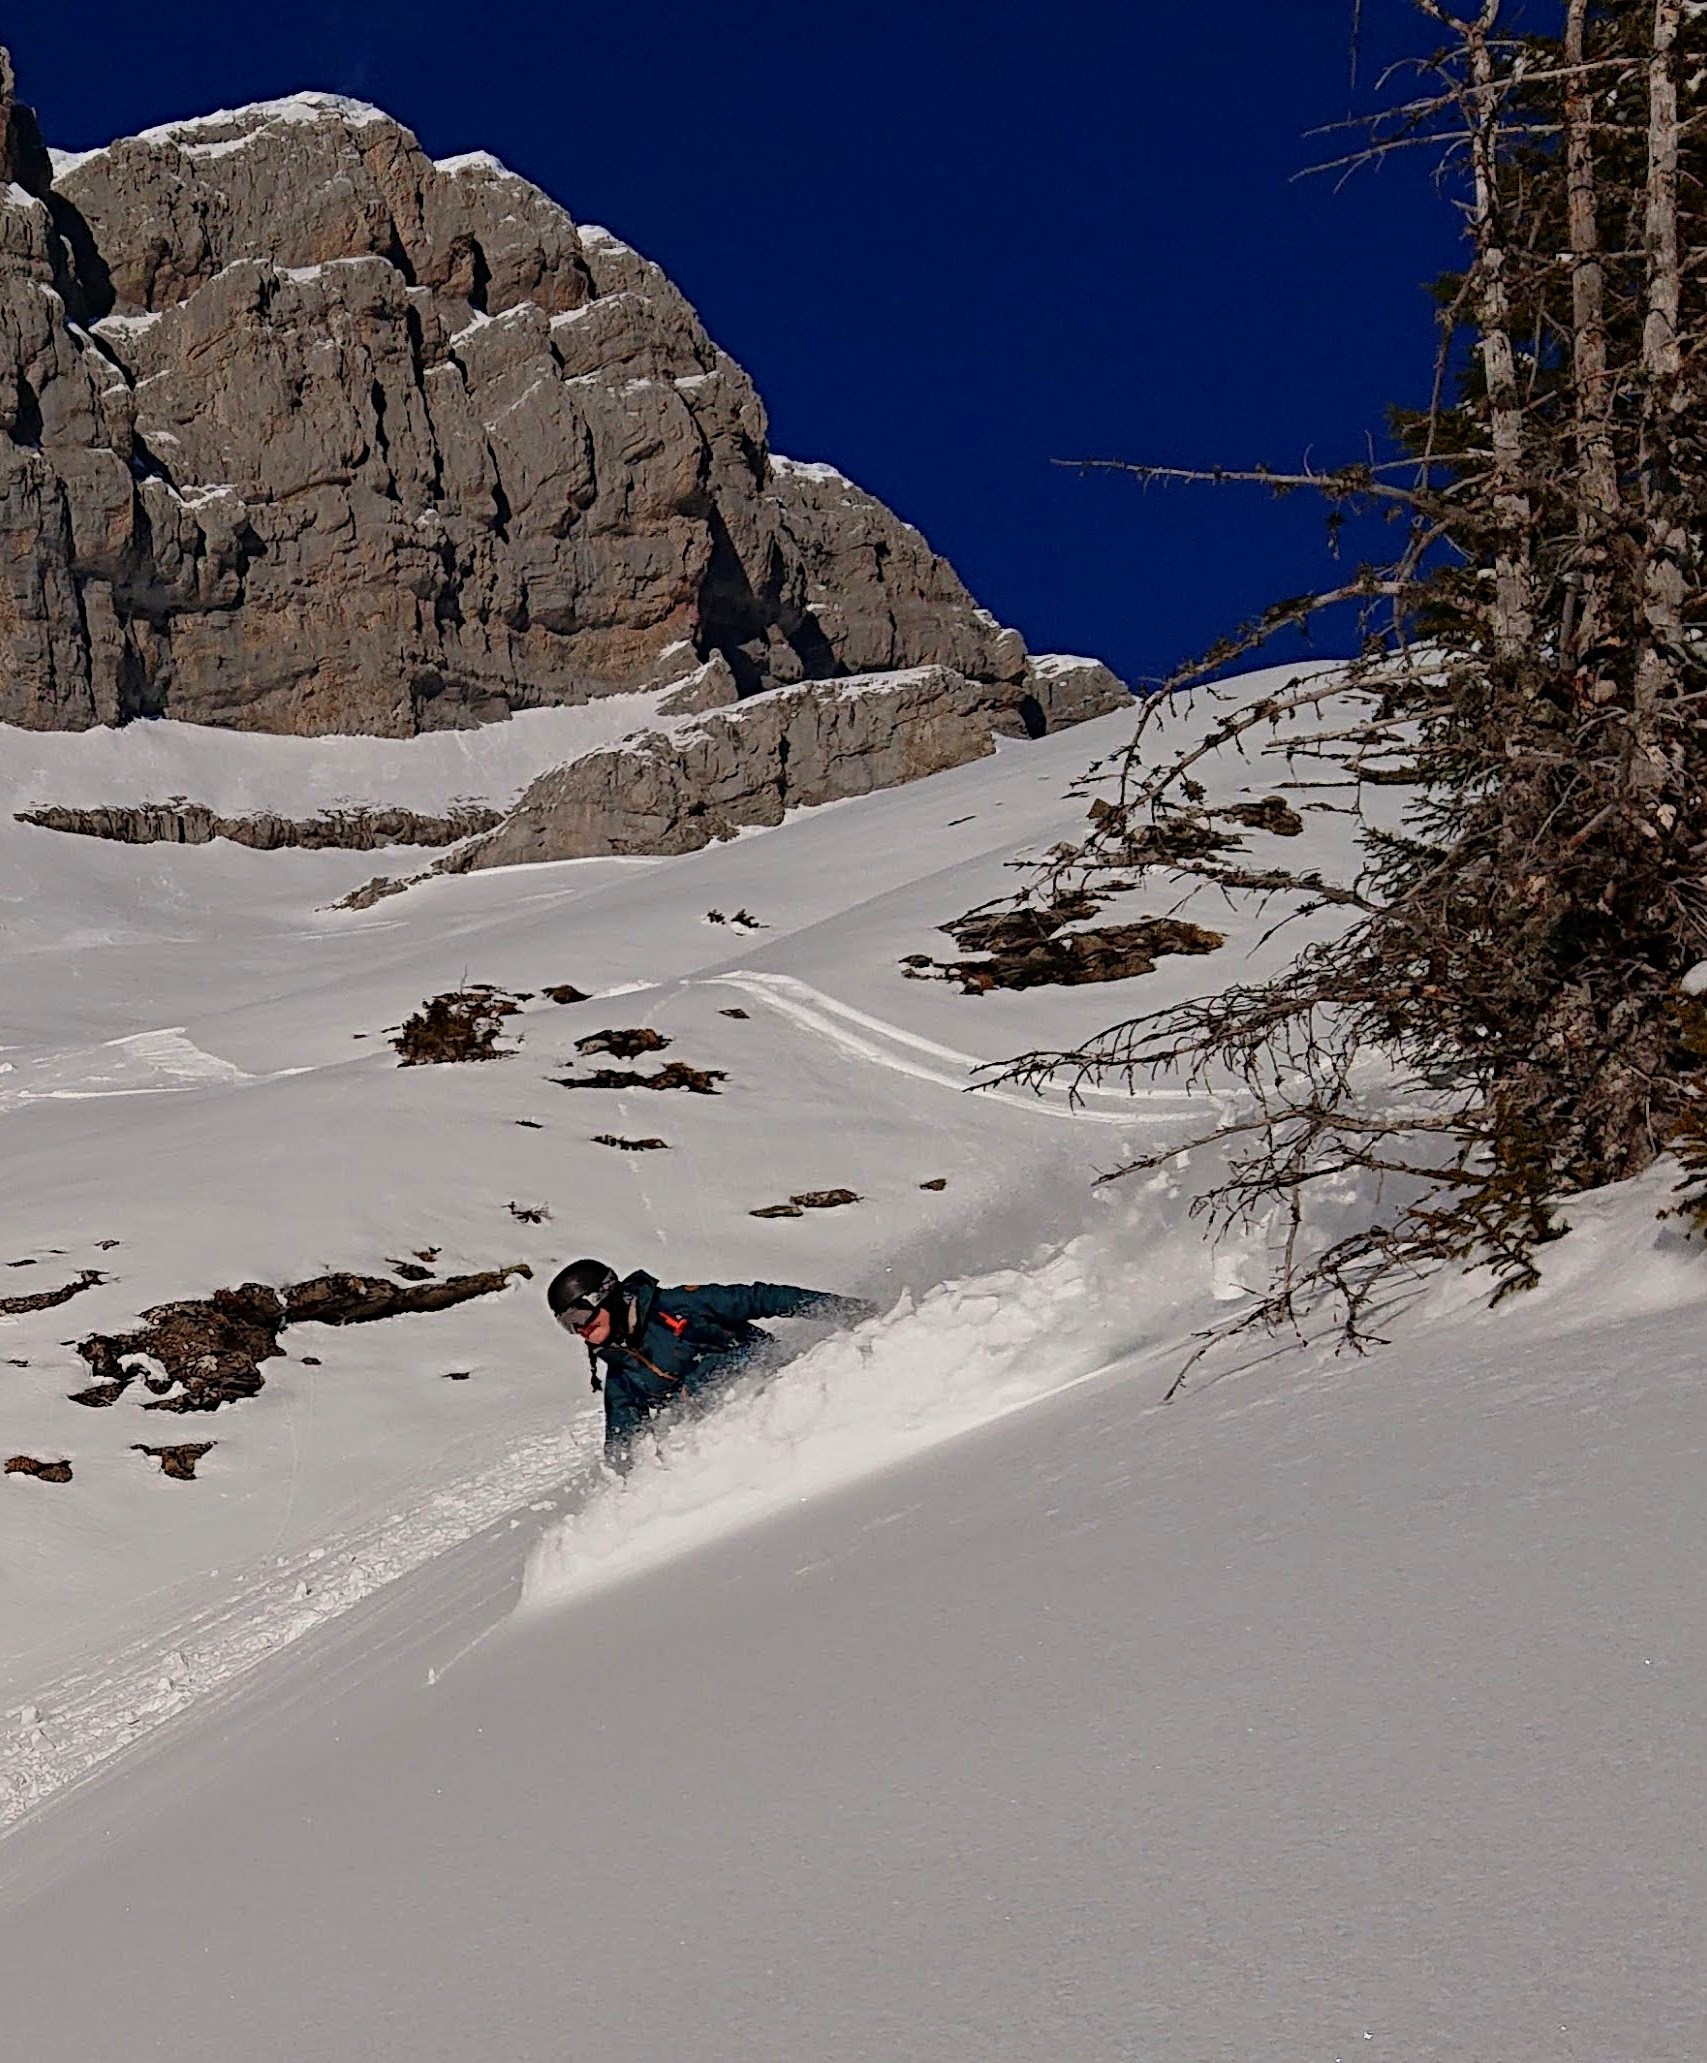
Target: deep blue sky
952	240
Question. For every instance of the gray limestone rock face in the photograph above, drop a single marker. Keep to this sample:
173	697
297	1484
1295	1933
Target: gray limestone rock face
1060	690
301	431
193	823
818	742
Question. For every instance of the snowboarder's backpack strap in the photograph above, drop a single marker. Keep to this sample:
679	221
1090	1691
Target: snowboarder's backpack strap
663	1374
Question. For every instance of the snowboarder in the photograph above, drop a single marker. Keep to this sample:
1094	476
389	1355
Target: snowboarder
655	1346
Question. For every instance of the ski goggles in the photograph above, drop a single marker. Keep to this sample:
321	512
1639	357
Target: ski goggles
578	1317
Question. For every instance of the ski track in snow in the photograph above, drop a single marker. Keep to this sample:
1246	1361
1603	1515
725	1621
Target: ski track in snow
82	1720
864	1037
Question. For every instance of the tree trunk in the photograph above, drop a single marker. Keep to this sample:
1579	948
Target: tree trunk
1665	538
1597	484
1514	607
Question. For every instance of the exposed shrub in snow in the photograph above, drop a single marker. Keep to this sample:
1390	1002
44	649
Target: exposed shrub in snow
179	1461
49	1299
674	1074
462	1024
43	1471
202	1352
1027	950
623	1045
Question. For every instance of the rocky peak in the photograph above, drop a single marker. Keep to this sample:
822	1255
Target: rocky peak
312	180
302	431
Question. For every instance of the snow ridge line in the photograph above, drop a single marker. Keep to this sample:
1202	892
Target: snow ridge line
82	1720
889	1045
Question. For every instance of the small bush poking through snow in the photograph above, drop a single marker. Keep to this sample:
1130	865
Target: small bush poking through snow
462	1024
178	1462
623	1045
674	1074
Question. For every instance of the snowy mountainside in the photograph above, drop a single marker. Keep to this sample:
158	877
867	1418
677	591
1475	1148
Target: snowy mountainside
194	1069
942	1695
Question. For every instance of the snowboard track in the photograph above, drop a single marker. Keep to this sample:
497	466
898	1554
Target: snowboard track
97	1710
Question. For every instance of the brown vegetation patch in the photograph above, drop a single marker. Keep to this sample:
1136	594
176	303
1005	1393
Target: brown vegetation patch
1145	841
462	1024
736	1012
529	1213
1016	931
805	1200
623	1045
43	1471
207	1351
210	1349
49	1299
1274	813
1114	952
178	1462
674	1074
564	992
362	1299
411	1271
631	1145
936	1182
100	1394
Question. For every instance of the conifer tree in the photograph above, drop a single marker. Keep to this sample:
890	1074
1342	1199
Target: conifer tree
1533	675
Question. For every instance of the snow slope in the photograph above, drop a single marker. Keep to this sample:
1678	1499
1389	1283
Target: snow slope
191	1067
943	1695
1334	1712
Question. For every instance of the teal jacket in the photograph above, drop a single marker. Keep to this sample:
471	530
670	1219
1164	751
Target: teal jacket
684	1341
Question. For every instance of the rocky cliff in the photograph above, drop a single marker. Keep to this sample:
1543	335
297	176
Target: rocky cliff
305	432
674	792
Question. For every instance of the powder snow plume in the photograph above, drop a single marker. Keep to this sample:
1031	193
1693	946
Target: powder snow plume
935	1366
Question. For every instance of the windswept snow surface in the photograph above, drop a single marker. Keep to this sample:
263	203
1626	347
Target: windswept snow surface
939	1695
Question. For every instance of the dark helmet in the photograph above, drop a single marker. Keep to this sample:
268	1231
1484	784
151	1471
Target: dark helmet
581	1289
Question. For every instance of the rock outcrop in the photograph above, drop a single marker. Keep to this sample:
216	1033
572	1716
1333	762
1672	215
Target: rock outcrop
301	431
673	792
193	823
